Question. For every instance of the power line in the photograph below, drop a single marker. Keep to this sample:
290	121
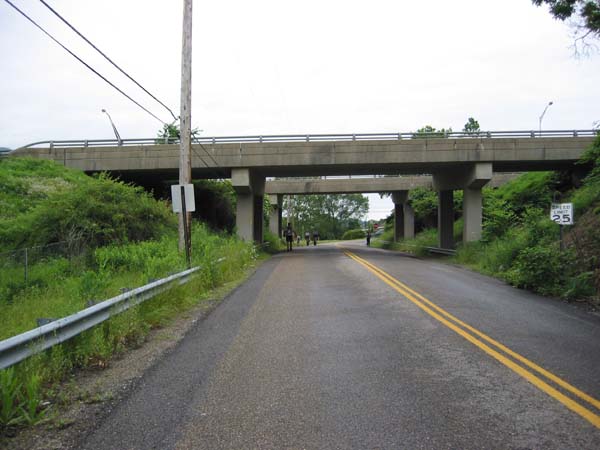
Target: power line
105	56
80	60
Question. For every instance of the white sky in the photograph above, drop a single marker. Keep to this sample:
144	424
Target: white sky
274	66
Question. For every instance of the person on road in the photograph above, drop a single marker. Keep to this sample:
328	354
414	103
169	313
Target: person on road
307	237
315	237
289	237
368	238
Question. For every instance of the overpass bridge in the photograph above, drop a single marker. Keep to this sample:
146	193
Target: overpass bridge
397	186
455	161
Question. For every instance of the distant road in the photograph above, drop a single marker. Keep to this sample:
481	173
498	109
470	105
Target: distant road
351	347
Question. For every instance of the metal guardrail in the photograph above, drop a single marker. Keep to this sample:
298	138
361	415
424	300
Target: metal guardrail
437	250
20	347
441	251
311	138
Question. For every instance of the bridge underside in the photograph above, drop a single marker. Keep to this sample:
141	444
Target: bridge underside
151	175
466	164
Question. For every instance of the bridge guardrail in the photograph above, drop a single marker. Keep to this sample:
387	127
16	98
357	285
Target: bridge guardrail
310	138
21	346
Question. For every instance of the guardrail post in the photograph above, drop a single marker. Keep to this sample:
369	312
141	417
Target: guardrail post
399	136
533	134
26	265
86	143
353	137
307	138
260	139
574	133
51	144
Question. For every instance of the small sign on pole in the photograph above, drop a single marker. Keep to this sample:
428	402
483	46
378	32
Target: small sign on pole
182	197
562	213
190	204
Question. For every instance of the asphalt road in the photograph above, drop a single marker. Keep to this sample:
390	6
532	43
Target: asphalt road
318	349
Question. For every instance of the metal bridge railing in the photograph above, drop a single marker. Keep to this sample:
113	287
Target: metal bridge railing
312	138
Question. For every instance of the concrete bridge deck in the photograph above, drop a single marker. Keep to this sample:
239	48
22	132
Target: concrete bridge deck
363	185
286	159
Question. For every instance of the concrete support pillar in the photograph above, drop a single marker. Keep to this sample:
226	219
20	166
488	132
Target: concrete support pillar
398	222
472	214
276	202
409	221
250	188
258	218
446	219
404	217
244	216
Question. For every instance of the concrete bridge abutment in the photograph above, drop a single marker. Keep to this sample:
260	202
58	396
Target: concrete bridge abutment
250	188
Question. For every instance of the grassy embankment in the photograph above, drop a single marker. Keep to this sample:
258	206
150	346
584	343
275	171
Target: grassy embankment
125	237
520	243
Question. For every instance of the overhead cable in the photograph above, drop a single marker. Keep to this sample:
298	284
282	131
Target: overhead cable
81	60
105	56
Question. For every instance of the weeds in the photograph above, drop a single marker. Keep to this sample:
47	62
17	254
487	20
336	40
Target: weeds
25	386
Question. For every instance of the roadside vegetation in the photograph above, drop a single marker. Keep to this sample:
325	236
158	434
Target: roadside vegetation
331	215
520	243
113	237
358	233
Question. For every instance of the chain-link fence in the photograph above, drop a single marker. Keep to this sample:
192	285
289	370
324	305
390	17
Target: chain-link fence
22	267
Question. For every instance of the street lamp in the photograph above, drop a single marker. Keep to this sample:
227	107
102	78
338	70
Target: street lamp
113	126
542	116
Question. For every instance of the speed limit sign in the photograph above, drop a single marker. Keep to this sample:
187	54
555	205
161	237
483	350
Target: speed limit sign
562	213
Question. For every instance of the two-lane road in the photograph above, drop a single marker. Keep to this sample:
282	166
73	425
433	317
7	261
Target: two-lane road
351	347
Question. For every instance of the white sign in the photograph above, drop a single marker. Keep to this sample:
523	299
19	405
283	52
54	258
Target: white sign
190	204
562	213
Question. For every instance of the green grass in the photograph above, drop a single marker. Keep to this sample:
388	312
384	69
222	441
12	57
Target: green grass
63	289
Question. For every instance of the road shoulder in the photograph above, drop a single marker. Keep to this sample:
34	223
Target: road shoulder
90	395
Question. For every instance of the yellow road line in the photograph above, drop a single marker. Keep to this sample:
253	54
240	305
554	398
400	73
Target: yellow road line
533	379
591	400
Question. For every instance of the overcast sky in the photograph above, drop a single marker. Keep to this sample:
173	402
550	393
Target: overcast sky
270	67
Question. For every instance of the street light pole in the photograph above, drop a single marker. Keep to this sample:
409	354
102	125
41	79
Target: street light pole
113	126
542	116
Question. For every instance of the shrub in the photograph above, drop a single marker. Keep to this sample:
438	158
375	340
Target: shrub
273	243
74	206
542	269
353	234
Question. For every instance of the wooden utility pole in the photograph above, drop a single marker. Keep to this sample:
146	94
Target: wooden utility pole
185	141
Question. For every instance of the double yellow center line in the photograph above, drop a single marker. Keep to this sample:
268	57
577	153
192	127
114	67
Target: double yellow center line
481	341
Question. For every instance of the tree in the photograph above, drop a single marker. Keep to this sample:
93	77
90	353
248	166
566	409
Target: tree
430	132
170	133
584	13
331	215
471	127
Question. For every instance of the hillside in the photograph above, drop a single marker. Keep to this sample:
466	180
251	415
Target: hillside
520	243
42	202
68	240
